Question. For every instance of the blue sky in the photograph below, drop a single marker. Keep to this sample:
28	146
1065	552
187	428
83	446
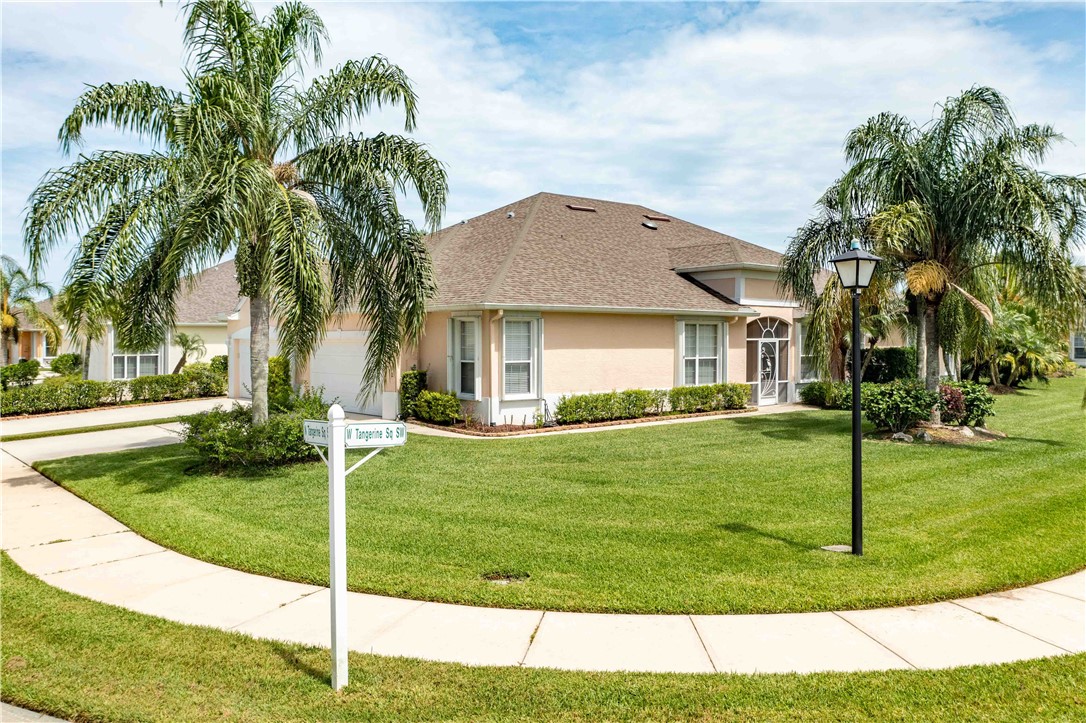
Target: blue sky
728	115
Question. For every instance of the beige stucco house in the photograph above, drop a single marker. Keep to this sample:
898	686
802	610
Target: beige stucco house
203	309
555	295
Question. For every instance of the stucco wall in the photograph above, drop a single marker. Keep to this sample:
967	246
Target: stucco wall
601	352
214	337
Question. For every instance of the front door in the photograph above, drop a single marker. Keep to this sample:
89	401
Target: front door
767	375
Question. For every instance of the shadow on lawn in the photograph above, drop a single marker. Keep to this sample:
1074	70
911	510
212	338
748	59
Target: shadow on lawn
291	658
741	528
796	426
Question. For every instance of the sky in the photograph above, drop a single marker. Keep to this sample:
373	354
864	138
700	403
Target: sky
730	115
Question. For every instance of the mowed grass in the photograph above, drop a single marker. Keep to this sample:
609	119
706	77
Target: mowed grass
86	661
713	517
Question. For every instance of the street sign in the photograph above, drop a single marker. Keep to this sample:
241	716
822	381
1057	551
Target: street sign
315	432
338	436
374	434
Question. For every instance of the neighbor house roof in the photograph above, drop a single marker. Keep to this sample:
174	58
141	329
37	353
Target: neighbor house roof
554	251
206	298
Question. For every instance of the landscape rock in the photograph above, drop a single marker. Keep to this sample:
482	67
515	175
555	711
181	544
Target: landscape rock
966	432
902	437
924	436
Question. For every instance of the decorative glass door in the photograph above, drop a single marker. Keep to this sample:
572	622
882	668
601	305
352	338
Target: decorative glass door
767	374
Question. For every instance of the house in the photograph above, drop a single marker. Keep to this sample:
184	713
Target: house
203	309
555	295
1078	347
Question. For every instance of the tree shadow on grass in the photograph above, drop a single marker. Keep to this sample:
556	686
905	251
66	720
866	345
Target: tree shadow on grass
741	528
796	426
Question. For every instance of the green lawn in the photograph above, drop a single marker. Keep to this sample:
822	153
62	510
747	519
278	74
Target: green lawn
86	661
714	517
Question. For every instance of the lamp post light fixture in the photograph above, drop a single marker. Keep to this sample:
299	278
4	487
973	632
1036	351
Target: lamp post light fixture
855	268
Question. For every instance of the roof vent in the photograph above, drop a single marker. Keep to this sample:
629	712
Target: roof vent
510	214
657	218
573	207
649	225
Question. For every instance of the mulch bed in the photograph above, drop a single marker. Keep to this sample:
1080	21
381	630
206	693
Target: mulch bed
945	434
517	430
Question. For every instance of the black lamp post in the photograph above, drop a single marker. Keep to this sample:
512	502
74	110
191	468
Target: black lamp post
855	268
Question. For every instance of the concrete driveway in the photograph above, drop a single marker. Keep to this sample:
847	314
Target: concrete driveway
110	415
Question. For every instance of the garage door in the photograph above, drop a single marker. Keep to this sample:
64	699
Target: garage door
337	366
240	380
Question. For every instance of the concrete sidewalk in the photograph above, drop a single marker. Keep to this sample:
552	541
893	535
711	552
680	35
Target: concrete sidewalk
74	546
11	714
109	415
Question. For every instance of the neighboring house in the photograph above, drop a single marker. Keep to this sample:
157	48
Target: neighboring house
1078	347
203	309
556	295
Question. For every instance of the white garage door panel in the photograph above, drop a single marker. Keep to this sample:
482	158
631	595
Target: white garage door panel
244	377
337	366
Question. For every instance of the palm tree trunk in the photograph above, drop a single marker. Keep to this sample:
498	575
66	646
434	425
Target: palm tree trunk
867	358
931	343
86	358
7	348
259	342
921	338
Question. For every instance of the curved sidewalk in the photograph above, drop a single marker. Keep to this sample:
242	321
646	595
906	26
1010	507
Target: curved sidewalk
72	545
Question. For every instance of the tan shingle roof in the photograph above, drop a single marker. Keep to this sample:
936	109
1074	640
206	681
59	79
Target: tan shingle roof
547	254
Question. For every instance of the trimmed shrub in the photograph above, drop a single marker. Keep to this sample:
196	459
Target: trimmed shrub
890	363
158	388
438	407
220	364
708	397
411	385
951	404
20	374
227	439
202	380
280	391
979	402
67	364
897	405
61	395
819	394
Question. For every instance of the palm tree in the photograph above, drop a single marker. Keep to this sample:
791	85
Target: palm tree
18	307
190	344
247	161
85	307
940	203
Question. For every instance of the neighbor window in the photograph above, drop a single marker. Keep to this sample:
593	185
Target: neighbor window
129	365
701	353
519	357
465	358
50	349
1079	345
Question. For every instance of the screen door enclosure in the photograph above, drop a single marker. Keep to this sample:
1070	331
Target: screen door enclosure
767	359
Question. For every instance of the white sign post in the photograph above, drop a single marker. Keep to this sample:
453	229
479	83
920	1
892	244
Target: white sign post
338	437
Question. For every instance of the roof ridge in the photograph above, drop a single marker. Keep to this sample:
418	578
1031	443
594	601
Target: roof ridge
499	277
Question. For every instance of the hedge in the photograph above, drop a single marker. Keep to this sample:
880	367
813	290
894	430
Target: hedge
638	403
438	407
19	374
61	394
411	385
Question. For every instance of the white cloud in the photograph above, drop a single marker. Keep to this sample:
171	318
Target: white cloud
734	119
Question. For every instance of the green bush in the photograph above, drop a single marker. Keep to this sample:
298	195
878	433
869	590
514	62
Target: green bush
280	390
890	363
227	439
818	394
66	365
61	395
158	388
20	374
220	364
411	385
709	397
438	407
202	380
979	402
897	405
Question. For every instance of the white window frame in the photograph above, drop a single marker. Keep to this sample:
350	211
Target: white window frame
801	342
534	376
455	360
115	352
721	351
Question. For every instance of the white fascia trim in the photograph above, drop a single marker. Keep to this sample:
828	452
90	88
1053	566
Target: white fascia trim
595	309
726	267
199	323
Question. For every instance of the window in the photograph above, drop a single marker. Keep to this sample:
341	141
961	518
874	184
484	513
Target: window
701	353
1079	344
519	336
129	365
808	370
50	348
466	357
